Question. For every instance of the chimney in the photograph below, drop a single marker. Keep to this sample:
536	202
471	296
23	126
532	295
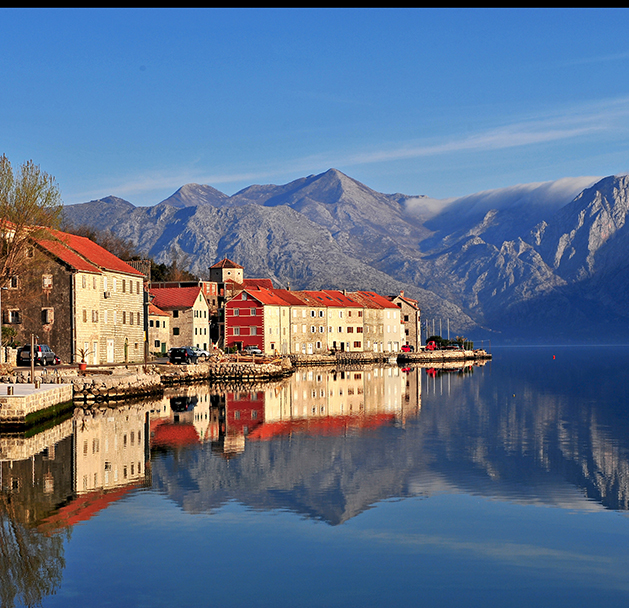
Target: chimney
402	292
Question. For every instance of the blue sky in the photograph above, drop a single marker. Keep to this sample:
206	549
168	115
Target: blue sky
136	103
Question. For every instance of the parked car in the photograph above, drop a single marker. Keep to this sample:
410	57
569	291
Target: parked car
184	354
201	352
407	348
252	350
43	355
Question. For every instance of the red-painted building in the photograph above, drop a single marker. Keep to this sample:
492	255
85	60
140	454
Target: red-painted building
257	317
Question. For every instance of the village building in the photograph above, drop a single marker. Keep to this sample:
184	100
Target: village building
345	321
189	315
260	318
230	280
411	319
159	330
382	328
79	299
309	319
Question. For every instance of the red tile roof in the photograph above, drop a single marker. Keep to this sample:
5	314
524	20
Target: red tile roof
373	300
341	299
95	254
264	283
69	257
226	263
175	298
268	297
153	310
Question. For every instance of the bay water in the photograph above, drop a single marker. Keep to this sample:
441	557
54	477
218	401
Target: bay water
503	483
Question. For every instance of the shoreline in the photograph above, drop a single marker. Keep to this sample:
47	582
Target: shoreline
100	384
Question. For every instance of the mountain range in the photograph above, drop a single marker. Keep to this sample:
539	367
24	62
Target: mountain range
542	262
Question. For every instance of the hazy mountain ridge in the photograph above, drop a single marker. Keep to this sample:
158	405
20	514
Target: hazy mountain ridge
532	260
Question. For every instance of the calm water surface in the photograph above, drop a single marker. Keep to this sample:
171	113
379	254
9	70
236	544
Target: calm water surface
504	484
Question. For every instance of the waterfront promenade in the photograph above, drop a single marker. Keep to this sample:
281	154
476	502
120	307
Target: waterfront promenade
25	402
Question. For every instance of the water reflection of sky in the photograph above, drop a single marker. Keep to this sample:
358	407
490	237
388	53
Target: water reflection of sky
504	484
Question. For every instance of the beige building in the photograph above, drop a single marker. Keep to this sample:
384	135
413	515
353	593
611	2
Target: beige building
189	315
411	320
79	299
110	448
159	330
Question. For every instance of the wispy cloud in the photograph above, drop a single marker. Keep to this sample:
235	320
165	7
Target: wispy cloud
571	123
598	119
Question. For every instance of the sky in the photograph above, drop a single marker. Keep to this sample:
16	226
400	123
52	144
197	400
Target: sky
135	103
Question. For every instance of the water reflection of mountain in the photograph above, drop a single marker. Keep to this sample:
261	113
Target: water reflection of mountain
548	426
525	432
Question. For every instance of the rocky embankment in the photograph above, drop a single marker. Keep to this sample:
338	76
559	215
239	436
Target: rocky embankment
103	383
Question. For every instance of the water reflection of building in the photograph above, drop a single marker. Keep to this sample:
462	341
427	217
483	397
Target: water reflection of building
186	416
110	447
321	400
36	472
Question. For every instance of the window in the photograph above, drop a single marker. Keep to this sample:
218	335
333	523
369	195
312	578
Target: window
13	283
84	315
359	330
236	312
151	323
253	330
357	344
124	285
350	330
124	317
47	315
13	316
236	331
175	331
175	314
94	316
84	281
252	311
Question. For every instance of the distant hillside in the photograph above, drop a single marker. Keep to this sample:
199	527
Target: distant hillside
534	262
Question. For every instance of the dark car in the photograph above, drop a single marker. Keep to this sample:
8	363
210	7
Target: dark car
42	355
184	354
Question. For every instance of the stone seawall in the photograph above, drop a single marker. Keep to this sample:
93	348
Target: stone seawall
56	386
29	403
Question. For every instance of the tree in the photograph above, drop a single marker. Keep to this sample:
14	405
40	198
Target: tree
30	203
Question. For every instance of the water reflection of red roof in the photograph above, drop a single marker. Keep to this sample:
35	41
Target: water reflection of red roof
330	425
83	508
167	434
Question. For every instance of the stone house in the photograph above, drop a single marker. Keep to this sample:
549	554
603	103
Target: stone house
383	330
159	330
189	315
76	296
411	319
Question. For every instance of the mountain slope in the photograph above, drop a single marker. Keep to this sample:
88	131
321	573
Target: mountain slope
535	259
